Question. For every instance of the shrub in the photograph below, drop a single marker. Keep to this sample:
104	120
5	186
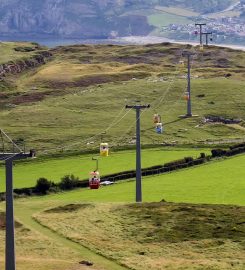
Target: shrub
2	197
43	185
202	155
218	152
68	182
237	146
188	159
235	151
24	49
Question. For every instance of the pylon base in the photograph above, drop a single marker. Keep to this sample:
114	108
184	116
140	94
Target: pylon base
188	116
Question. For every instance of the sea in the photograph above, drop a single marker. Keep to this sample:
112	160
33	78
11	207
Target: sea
134	40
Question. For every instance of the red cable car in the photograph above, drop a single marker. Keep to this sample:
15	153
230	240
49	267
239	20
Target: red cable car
94	180
186	96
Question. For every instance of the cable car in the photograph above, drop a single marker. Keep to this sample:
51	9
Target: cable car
186	96
182	63
94	180
159	128
104	149
156	118
196	32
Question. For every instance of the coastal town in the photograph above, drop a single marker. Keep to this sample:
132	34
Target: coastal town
223	28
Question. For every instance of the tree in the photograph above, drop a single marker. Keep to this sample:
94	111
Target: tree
69	182
43	185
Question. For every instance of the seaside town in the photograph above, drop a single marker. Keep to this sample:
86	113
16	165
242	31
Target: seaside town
222	27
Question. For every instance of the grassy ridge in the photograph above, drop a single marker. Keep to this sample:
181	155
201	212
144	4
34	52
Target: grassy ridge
14	51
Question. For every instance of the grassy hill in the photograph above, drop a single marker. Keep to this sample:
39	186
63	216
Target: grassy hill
68	227
65	105
157	235
58	106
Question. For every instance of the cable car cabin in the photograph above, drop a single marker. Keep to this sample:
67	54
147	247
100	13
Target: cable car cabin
196	33
104	149
159	128
186	96
94	180
156	118
182	63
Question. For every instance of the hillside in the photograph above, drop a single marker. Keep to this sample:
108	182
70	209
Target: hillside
106	228
88	19
58	106
156	235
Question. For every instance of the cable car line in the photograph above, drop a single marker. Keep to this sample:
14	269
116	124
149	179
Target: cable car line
85	140
115	122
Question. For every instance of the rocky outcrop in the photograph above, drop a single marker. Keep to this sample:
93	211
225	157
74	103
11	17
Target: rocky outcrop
24	64
69	19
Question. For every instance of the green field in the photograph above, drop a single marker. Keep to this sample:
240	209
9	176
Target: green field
164	19
163	16
216	183
26	174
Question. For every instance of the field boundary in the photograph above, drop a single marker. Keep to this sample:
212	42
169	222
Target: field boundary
150	171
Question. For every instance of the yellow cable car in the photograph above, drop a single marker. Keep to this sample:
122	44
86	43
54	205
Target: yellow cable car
182	63
104	149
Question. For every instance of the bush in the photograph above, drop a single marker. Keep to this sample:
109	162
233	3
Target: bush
218	153
202	155
43	185
235	151
24	49
69	182
2	197
237	146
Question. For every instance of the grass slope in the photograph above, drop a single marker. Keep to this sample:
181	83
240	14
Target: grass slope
60	103
35	251
157	235
39	248
220	182
14	51
26	174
